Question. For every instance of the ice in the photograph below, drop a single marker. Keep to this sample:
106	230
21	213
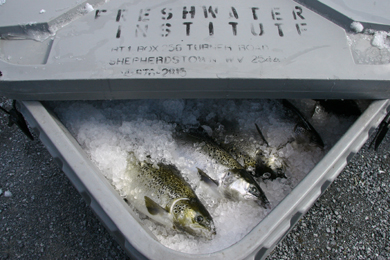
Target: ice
42	11
2	2
109	131
7	193
88	8
370	47
380	40
357	27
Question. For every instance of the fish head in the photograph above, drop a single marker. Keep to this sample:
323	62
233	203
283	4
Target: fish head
192	217
303	134
238	184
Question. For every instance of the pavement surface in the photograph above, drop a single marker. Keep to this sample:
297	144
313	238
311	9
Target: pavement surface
42	216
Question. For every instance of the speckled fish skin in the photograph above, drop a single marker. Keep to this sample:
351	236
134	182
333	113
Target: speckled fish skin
219	154
164	185
259	163
209	147
236	183
241	147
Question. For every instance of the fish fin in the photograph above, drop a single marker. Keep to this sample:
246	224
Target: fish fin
261	135
153	207
207	179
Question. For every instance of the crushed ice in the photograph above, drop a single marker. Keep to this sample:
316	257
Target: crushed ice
370	46
88	8
380	40
109	130
357	27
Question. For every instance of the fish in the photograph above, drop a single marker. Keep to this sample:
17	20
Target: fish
161	193
340	107
261	162
236	183
304	131
251	149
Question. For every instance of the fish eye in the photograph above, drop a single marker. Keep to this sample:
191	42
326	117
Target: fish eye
267	175
199	219
253	190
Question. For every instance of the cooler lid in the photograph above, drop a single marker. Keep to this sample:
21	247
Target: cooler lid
54	50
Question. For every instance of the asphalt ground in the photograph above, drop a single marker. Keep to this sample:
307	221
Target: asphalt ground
42	216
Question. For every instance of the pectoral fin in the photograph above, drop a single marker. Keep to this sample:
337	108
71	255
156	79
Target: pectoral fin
207	179
210	184
153	207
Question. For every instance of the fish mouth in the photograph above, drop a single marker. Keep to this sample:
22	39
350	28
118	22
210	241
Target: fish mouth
212	232
207	235
210	235
251	197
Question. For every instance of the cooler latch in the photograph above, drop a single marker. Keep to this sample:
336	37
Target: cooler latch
382	131
15	117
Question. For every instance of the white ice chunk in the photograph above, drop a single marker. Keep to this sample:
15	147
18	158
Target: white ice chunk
42	11
379	40
2	2
7	193
357	27
88	8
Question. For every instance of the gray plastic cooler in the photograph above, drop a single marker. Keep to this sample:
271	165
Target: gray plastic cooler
57	50
156	49
137	240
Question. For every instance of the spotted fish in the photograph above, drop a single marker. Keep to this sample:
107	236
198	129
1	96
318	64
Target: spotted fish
236	182
161	193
